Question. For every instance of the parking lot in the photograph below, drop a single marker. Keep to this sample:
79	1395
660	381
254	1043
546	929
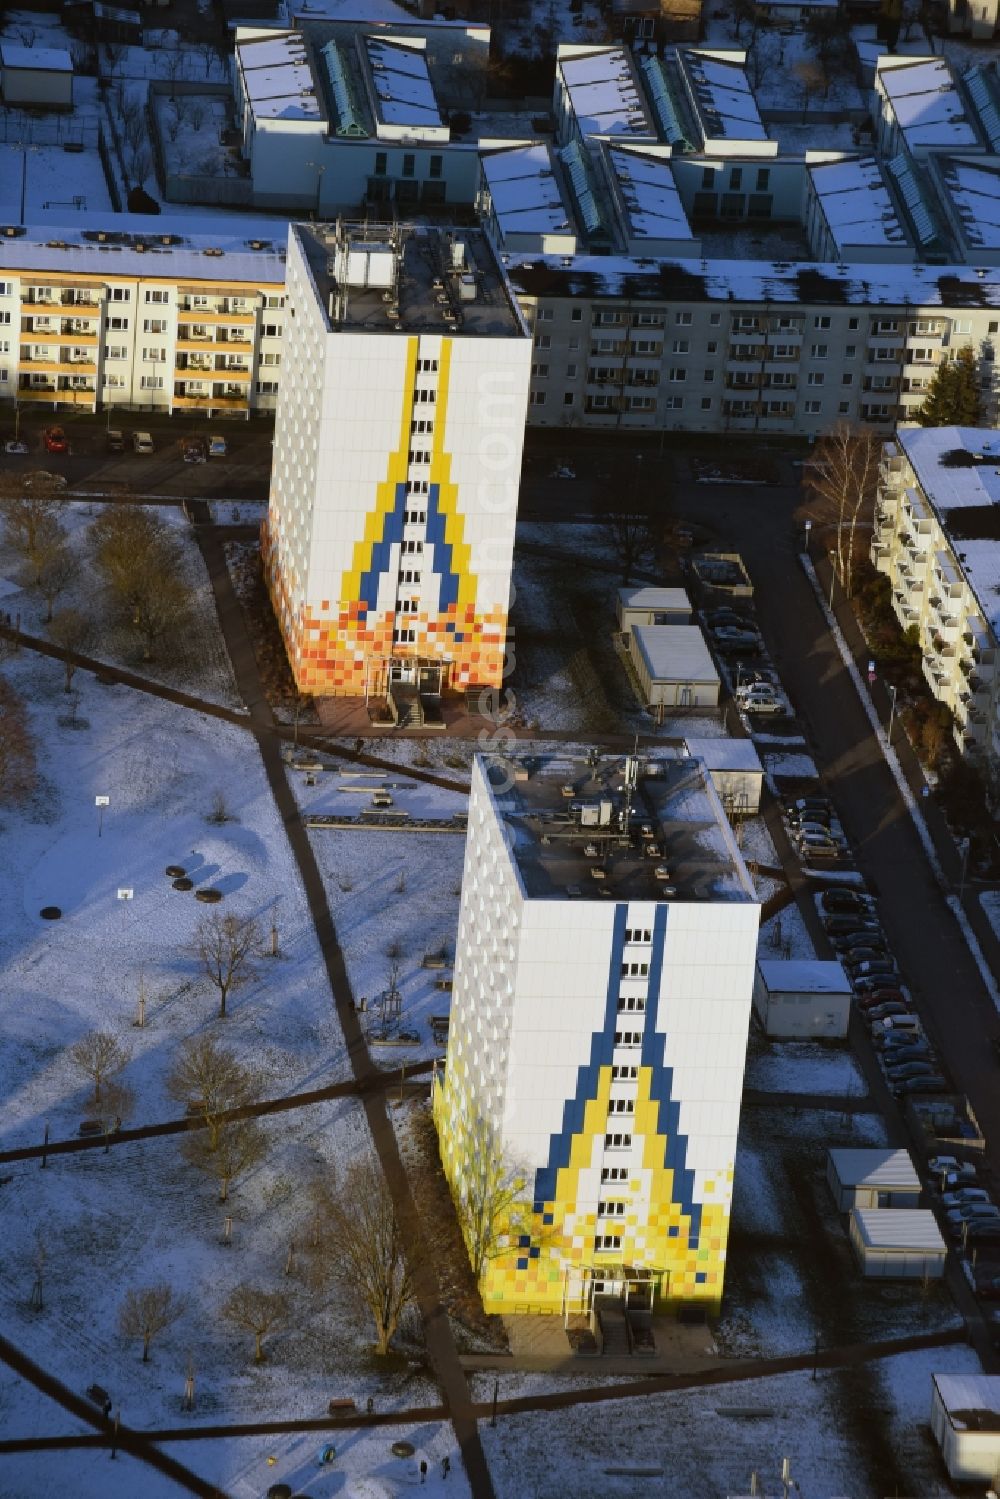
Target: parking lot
91	463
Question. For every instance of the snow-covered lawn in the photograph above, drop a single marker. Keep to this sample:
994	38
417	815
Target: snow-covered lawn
805	1067
193	659
785	936
703	1443
57	181
166	55
394	895
755	841
189	130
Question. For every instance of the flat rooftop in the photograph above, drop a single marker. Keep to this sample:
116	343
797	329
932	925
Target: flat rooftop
875	1168
899	1228
410	278
958	469
648	193
676	845
803	976
675	653
224	248
401	83
525	194
926	102
604	92
278	77
721	94
856	203
974	189
971	1400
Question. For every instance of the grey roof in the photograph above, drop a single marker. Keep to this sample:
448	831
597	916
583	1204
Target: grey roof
899	1228
675	653
803	976
875	1168
41	59
726	754
968	1392
647	596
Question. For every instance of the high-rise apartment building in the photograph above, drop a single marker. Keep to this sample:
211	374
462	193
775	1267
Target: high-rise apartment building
603	977
397	457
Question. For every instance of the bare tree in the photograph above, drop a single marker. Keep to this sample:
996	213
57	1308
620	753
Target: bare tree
27	35
139	565
173	64
361	1248
101	1056
811	80
258	1312
209	1075
113	53
72	630
173	122
208	52
227	1153
146	1312
17	754
842	478
762	56
55	568
225	946
30	515
491	1204
196	114
626	518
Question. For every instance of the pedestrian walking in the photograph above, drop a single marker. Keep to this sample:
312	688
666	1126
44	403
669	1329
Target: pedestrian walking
445	1466
423	1470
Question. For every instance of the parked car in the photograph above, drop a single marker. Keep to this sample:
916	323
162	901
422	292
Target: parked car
870	967
725	614
763	702
728	638
844	901
934	1084
217	446
842	923
989	1288
42	479
813	847
963	1195
882	1012
845	942
114	440
895	1041
194	450
942	1163
55	440
16	446
905	1069
972	1212
983	1231
871	984
896	1025
809	827
867	1002
814	799
142	442
899	1056
809	816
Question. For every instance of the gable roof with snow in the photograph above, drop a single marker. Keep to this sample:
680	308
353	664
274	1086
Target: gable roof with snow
603	92
855	202
524	194
926	104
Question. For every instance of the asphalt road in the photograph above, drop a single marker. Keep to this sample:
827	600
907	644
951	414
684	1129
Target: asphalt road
929	946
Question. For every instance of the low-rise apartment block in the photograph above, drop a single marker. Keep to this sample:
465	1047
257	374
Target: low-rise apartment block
937	539
157	320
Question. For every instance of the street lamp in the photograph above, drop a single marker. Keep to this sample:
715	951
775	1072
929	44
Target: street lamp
833	577
892	711
964	850
808	528
320	169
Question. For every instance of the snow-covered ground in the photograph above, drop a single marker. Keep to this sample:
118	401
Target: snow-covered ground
189	133
755	841
166	55
194	659
57	180
789	764
394	896
805	1067
803	1420
785	936
990	902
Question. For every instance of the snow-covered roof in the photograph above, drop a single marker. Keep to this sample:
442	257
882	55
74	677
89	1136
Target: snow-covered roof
604	93
41	59
277	76
899	1228
875	1168
646	596
912	287
803	976
404	94
726	754
974	189
962	1393
856	203
77	249
675	653
648	194
721	94
951	487
524	191
926	103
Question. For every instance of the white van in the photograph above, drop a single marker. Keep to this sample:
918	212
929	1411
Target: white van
381	799
900	1024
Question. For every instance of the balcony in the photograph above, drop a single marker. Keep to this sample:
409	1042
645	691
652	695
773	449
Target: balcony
217	315
186	344
60	396
237	375
210	403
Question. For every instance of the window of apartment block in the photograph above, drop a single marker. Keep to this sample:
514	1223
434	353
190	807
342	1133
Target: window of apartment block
815	379
567	398
154	325
715	318
709	376
617	1142
763	179
270	330
120	294
641	403
674	403
436	164
118	324
151	382
682	319
154	356
4	318
812	408
677	374
679	346
614	1173
847	379
853	323
819	351
844	408
537	398
706	403
267	387
409	164
576	315
821	322
272	300
543	341
115	351
736	178
157	294
381	163
708	177
851	351
609	1243
571	371
270	359
543	315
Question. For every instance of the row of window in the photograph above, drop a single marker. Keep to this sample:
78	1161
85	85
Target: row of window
434	166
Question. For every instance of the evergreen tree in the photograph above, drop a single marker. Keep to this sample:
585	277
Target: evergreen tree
953	395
